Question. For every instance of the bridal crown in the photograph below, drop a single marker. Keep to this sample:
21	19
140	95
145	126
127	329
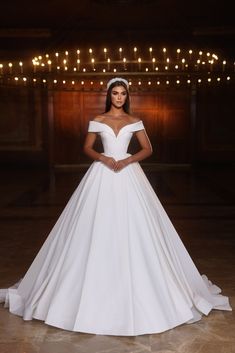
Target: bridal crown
117	79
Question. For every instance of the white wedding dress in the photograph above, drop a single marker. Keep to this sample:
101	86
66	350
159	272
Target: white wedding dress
113	264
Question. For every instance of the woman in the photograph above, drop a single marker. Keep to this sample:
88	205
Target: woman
114	264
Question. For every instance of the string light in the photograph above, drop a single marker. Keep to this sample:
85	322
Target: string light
105	52
10	67
49	65
108	61
178	53
124	63
21	66
192	61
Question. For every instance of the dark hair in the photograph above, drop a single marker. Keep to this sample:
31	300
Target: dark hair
126	106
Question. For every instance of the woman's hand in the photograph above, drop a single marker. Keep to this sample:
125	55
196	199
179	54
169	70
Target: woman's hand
108	161
122	163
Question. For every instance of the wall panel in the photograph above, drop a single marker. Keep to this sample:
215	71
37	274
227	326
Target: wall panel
24	123
166	116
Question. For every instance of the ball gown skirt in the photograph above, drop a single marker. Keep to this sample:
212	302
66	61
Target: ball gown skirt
113	264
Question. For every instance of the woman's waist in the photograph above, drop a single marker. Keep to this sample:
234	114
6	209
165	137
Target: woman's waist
117	155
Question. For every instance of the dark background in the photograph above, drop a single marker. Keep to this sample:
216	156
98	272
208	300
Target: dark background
28	29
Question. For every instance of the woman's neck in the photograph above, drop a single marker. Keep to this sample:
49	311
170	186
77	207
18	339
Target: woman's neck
116	112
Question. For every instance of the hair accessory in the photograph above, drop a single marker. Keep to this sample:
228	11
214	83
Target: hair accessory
117	79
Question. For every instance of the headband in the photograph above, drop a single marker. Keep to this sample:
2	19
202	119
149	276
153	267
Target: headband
117	79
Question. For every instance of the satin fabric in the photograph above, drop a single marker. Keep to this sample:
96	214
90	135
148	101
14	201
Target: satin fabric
114	264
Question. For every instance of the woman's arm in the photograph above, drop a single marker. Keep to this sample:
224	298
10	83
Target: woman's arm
88	147
146	151
146	147
90	152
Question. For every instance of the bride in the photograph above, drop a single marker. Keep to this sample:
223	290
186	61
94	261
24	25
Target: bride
113	264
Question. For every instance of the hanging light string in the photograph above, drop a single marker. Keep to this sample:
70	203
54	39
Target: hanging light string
150	68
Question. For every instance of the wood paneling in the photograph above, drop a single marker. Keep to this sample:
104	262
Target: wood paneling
216	124
166	117
24	124
20	119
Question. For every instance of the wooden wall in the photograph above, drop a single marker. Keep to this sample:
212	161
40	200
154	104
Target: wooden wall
166	118
176	138
22	129
215	127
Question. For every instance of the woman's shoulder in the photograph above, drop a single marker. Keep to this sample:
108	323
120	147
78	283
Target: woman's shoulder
127	117
134	119
99	118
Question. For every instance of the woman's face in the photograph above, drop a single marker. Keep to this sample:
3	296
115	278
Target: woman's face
118	96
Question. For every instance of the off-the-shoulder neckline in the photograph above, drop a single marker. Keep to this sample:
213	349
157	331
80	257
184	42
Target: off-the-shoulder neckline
99	122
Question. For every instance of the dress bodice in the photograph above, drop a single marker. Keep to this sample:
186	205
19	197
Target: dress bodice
115	145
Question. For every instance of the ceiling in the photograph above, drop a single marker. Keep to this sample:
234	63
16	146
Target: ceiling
43	25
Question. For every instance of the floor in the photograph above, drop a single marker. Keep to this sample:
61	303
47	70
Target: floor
201	205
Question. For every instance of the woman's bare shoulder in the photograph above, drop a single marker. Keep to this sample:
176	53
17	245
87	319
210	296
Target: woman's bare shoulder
133	119
99	118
